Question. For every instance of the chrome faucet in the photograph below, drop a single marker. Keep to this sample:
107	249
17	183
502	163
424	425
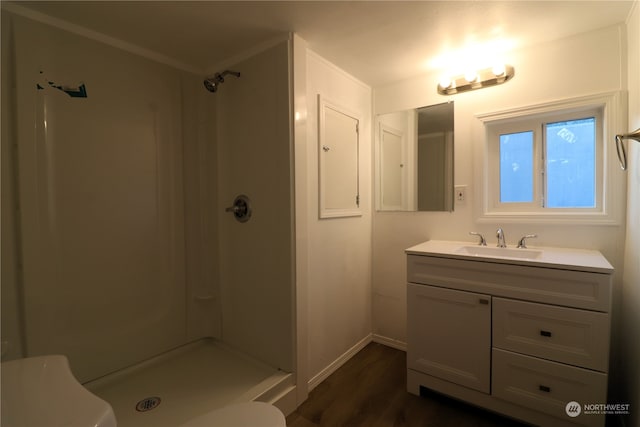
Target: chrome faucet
522	244
500	236
482	241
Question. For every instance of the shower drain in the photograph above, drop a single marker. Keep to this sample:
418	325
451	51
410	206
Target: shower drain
148	404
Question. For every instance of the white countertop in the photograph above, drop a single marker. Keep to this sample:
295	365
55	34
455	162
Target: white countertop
561	258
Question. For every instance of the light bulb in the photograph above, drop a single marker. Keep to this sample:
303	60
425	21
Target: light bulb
471	76
498	70
445	82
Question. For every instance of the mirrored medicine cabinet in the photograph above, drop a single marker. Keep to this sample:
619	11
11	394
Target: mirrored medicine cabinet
414	159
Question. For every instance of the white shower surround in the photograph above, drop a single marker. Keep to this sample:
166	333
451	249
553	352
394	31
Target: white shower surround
125	255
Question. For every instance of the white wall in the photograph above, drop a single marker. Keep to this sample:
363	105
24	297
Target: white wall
336	253
12	332
585	64
255	159
302	189
630	335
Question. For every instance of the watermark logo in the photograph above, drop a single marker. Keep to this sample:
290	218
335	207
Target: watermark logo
606	408
573	409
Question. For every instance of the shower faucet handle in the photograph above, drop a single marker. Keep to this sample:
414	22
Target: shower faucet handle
236	209
241	208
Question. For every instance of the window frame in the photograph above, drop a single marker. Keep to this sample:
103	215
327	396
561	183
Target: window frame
537	125
610	183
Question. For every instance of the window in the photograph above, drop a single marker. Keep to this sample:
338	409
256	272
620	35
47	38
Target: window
568	164
570	160
516	167
550	161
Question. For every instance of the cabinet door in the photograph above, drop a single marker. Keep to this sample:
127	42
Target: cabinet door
449	335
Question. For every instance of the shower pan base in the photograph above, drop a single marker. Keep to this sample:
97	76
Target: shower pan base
184	383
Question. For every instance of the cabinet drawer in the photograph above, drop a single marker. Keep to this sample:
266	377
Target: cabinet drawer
547	386
576	337
577	289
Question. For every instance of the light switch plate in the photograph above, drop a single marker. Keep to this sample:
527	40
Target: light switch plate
460	195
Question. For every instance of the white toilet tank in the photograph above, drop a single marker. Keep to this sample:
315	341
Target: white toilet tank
42	391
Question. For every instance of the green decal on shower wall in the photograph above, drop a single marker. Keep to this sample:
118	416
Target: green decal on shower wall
79	91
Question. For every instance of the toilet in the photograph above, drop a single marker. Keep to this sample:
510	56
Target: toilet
42	391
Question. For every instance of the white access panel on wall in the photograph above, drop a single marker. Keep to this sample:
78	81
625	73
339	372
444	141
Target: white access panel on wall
338	154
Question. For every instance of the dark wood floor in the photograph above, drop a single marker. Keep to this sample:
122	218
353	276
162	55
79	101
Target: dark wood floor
370	391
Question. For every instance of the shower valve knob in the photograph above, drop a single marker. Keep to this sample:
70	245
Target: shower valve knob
241	208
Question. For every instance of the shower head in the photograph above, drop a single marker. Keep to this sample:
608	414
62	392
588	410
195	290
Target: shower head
211	83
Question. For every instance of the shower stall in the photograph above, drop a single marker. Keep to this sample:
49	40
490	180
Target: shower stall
119	170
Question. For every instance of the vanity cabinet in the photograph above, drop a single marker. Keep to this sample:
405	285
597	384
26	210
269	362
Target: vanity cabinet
520	337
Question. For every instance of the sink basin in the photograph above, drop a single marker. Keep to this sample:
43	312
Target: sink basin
562	258
42	391
494	252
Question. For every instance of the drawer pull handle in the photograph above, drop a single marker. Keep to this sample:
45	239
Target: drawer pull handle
484	301
544	388
545	333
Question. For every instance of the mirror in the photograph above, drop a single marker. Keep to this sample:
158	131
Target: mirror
414	159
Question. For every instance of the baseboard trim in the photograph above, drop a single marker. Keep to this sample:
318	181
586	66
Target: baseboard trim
322	375
390	342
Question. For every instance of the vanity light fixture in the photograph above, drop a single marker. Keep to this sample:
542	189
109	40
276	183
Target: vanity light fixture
476	80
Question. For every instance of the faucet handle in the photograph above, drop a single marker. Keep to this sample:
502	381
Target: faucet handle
482	241
522	244
500	236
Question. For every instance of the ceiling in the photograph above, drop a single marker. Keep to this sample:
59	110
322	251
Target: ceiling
376	41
